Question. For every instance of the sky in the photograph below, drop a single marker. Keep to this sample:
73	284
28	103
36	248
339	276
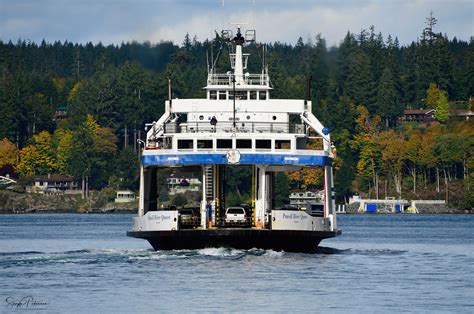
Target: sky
116	21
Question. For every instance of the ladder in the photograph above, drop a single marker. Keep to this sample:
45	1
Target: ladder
209	171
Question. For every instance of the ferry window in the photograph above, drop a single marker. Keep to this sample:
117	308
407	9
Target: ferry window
244	143
263	144
253	94
222	94
241	95
213	94
204	144
282	144
274	118
201	117
262	95
185	144
224	143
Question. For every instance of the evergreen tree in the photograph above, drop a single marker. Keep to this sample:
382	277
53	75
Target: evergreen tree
387	98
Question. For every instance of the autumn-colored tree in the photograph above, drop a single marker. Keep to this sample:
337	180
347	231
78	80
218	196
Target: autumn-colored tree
438	100
465	130
366	142
29	157
62	143
432	95
43	143
413	147
393	156
92	148
38	157
72	93
105	141
442	108
8	153
308	177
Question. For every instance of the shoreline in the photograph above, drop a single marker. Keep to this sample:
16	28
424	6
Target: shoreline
29	203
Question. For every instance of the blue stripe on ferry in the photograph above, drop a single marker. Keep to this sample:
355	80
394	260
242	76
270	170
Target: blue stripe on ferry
245	159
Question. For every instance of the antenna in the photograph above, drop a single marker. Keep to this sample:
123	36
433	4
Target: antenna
253	15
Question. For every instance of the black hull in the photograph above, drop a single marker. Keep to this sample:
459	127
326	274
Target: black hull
279	240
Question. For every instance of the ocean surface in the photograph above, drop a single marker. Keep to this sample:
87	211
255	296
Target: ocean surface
69	263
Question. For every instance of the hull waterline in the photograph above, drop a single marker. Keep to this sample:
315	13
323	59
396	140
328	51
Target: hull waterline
239	238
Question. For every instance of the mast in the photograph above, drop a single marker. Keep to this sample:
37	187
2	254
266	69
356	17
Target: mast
238	41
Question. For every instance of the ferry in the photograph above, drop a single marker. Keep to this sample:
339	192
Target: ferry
237	124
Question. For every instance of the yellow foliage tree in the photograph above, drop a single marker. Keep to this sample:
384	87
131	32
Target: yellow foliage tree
29	158
308	177
63	145
74	90
37	158
393	156
432	95
8	153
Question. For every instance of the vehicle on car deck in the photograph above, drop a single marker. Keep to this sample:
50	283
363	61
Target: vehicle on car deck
235	216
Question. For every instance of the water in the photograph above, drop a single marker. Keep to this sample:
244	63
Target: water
382	263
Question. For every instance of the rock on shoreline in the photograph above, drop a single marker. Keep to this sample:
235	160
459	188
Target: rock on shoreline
12	202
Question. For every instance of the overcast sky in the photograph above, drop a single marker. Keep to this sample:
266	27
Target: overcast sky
116	21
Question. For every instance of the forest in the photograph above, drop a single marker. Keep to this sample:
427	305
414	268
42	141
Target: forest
359	89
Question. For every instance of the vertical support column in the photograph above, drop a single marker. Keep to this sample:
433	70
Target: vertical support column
253	194
204	197
329	197
141	193
261	204
214	195
218	196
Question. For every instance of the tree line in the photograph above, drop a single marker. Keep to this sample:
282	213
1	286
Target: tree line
124	86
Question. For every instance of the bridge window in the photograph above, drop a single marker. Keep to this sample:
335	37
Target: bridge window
262	95
222	94
224	144
213	94
241	95
253	94
204	144
244	143
263	144
282	144
185	144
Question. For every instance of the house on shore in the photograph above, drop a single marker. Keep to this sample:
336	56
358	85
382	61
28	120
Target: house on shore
422	116
52	184
125	196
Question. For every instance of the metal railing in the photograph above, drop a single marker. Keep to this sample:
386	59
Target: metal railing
250	79
241	127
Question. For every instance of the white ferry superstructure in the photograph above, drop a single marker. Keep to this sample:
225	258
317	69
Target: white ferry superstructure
236	124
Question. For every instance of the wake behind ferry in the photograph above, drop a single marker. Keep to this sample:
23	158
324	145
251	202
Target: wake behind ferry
238	124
